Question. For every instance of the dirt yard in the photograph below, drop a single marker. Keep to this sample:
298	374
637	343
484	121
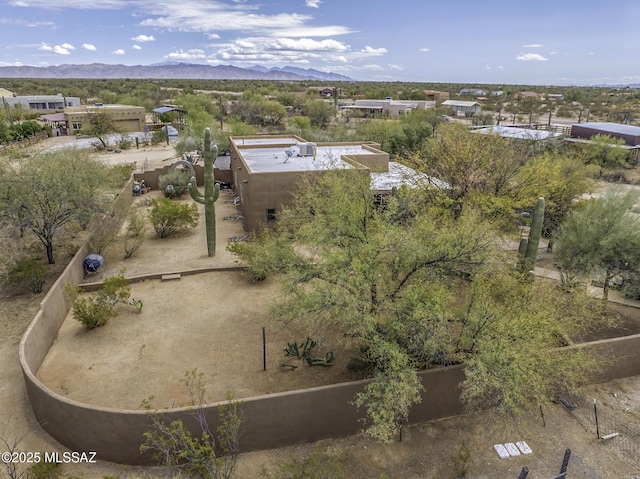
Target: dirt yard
196	310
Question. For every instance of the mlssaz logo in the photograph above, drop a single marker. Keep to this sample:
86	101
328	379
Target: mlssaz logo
71	457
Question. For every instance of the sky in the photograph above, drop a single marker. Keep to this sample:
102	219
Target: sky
543	42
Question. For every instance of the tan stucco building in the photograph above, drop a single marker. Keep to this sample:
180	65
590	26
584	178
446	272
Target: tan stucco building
266	170
126	118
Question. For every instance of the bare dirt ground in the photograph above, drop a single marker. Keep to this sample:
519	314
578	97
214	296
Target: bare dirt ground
158	339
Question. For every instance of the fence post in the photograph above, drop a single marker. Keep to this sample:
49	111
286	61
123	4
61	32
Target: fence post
524	473
264	349
595	412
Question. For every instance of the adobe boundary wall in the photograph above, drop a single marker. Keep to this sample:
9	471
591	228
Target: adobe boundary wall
270	421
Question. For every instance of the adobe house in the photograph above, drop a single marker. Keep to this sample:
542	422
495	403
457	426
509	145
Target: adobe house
125	118
266	170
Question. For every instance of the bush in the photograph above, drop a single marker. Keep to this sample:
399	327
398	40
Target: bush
135	233
28	274
158	137
125	142
97	310
178	179
169	216
45	470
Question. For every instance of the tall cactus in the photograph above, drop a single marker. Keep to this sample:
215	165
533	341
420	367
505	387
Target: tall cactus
211	192
530	254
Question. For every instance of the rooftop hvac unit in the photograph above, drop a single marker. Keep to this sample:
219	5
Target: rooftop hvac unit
306	149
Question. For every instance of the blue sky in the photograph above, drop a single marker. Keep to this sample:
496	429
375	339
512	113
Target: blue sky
559	42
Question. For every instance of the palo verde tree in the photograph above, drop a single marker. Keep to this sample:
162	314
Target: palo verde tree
100	125
388	277
376	274
605	152
602	236
46	192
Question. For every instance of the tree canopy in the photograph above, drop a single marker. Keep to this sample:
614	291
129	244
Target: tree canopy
388	274
46	192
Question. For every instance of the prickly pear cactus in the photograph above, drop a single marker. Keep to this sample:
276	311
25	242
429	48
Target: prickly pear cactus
211	192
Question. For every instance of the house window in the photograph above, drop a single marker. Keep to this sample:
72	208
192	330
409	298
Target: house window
271	214
77	125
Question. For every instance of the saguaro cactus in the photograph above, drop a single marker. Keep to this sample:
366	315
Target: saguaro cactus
528	249
211	192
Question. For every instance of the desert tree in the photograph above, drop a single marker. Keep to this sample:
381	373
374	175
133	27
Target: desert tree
602	235
46	192
390	275
375	274
100	125
211	455
606	153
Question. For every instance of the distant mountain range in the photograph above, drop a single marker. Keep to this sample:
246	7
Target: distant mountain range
170	70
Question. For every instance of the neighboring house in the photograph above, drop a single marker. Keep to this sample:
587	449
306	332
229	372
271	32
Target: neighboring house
463	108
125	118
434	95
531	95
555	96
266	170
323	91
473	92
6	93
518	133
42	103
392	108
177	115
630	134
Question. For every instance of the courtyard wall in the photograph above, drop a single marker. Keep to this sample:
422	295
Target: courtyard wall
270	421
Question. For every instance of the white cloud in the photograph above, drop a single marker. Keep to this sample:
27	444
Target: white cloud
119	51
213	36
15	64
188	55
313	3
500	67
24	23
373	51
591	53
531	56
532	45
136	47
372	68
425	49
143	38
307	44
89	46
395	67
63	49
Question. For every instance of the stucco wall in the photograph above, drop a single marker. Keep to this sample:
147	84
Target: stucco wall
271	421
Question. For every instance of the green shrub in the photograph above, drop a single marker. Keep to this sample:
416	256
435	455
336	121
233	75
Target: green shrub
97	310
158	137
178	179
45	470
125	142
28	274
135	233
169	216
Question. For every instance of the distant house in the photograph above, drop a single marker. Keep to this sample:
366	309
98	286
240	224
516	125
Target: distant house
6	93
463	108
473	92
41	103
434	95
555	96
524	95
630	134
323	91
390	107
125	118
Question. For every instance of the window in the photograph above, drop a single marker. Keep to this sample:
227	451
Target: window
77	125
271	214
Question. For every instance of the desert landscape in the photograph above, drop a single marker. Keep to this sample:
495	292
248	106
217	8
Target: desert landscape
188	323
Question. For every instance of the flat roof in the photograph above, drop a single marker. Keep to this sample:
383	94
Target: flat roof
611	127
399	175
275	159
272	140
459	103
518	133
